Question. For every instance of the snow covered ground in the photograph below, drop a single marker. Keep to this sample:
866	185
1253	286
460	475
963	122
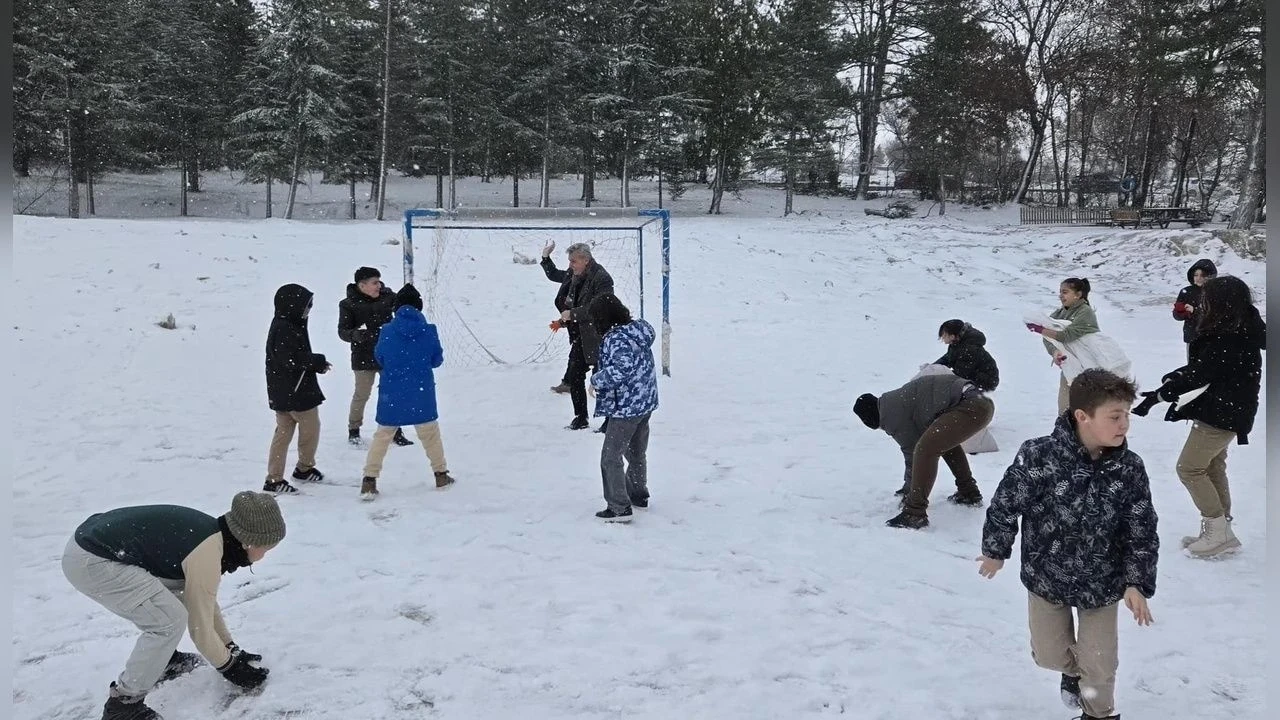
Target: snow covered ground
762	583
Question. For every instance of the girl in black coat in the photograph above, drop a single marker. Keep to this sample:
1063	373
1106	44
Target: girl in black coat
1225	367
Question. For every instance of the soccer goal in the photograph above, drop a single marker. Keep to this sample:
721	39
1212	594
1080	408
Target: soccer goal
479	275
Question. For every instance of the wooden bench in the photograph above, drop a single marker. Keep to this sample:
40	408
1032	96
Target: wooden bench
1127	216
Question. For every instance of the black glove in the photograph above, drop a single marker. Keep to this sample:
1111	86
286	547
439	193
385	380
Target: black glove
1144	407
240	672
251	657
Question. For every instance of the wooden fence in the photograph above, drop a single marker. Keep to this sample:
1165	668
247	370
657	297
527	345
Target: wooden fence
1037	215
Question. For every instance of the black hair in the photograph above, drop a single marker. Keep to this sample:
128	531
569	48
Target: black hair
1080	285
951	327
1095	387
608	312
1227	302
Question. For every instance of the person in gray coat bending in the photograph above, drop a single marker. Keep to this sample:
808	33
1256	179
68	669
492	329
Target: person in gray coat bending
929	417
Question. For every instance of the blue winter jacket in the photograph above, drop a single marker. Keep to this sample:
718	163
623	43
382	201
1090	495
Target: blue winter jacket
408	350
625	380
1088	526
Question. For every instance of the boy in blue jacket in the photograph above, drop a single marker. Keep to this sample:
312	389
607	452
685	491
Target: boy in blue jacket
408	351
1088	538
626	388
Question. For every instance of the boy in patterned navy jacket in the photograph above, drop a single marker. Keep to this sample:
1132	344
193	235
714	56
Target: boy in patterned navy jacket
1088	538
626	388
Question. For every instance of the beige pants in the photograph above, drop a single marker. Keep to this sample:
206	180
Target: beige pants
308	426
1090	652
1064	394
360	398
428	433
1202	467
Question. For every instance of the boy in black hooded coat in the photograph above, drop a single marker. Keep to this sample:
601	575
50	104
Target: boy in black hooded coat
293	390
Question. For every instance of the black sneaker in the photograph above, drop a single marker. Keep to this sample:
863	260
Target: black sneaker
312	475
1087	716
578	423
278	487
902	491
180	664
642	503
1070	689
968	498
353	436
119	707
400	439
560	389
908	520
610	516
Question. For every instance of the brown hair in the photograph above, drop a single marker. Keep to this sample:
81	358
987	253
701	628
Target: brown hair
1095	387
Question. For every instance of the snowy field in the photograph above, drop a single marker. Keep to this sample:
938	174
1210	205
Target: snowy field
762	583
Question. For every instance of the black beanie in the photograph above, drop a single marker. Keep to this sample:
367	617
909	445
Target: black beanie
409	295
365	273
867	408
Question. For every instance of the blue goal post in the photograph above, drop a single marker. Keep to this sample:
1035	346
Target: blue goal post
643	221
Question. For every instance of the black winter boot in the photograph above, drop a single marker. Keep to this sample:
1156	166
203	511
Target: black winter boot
1070	689
967	495
910	521
120	707
180	664
400	439
353	436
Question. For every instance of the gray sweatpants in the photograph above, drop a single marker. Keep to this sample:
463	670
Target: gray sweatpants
625	438
139	597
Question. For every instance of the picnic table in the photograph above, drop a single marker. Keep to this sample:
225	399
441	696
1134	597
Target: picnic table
1152	216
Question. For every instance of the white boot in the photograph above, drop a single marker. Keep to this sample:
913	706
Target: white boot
1218	538
1188	539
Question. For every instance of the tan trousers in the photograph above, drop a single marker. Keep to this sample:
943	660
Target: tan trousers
308	426
428	434
1090	652
1202	467
1064	394
360	398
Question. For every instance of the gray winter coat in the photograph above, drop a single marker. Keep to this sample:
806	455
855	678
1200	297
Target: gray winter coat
907	412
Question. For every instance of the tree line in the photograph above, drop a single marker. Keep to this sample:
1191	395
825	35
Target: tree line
983	100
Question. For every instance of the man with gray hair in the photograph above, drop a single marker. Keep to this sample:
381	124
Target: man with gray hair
159	567
580	286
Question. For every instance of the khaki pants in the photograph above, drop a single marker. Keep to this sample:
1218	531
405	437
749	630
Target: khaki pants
428	433
360	398
1090	652
1202	467
307	423
1064	394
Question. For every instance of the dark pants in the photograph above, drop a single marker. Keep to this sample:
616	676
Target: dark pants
625	439
942	440
576	377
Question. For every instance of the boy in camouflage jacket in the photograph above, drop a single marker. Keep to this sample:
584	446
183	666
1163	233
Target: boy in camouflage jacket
1088	538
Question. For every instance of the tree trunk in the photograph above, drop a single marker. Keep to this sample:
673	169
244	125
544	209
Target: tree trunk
624	196
1184	160
1064	198
717	184
1038	120
942	194
297	170
1147	169
868	119
373	189
1086	127
789	175
1059	198
1251	189
73	187
89	191
515	188
439	187
453	182
182	200
351	195
544	191
268	197
381	183
193	174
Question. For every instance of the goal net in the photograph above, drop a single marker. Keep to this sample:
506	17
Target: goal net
482	286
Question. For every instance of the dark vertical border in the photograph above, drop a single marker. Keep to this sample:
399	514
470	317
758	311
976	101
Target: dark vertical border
7	365
1272	399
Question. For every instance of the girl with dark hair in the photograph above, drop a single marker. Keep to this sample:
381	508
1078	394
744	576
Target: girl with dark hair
967	355
1073	293
1221	383
1188	309
626	388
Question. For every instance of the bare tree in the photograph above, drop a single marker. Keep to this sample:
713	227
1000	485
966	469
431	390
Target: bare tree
386	114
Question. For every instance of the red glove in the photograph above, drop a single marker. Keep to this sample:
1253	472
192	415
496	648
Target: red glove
555	325
1180	308
1035	328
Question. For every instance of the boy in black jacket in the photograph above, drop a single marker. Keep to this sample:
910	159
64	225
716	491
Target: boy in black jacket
1088	538
293	391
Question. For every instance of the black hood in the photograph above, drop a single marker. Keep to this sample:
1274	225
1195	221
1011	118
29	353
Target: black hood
291	301
1203	264
1255	329
971	335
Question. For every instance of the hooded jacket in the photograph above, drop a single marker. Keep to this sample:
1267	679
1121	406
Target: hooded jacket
292	385
1192	295
576	294
358	309
626	380
408	351
1229	362
1088	526
968	358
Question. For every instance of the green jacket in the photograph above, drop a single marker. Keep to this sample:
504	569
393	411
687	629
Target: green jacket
1083	321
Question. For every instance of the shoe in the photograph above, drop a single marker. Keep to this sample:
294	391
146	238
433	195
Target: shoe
1187	540
908	520
180	664
561	389
312	475
1087	716
1070	690
641	503
902	491
610	516
279	487
443	480
122	707
1218	538
368	488
400	439
578	423
353	436
968	498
